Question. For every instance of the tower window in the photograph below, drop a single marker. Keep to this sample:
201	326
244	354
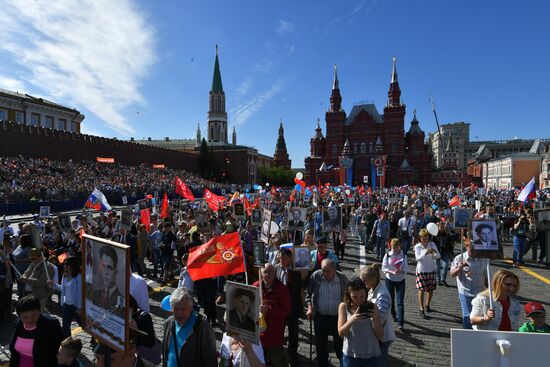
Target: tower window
355	148
334	149
363	147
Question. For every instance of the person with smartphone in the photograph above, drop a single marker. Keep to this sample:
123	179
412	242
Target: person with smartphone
360	326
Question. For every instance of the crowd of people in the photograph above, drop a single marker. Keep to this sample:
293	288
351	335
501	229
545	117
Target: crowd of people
41	179
363	313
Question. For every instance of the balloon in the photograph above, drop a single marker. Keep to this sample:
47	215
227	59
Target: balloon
299	175
149	196
348	192
432	228
298	187
274	228
165	304
267	184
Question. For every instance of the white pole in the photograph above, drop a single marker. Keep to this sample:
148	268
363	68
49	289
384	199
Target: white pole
45	267
489	283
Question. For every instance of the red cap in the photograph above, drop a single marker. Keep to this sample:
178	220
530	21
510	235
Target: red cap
533	307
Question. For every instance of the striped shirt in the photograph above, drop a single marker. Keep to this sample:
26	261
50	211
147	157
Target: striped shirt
330	296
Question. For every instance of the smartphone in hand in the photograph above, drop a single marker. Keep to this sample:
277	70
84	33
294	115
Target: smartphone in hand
366	309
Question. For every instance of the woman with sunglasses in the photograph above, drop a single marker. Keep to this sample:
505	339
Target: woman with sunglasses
504	316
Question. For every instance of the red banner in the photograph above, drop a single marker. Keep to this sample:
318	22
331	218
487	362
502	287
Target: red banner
220	256
164	208
105	160
214	201
183	190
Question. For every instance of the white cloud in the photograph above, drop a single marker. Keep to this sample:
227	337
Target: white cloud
92	53
243	112
12	84
285	27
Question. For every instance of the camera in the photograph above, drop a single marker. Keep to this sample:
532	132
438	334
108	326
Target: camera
366	309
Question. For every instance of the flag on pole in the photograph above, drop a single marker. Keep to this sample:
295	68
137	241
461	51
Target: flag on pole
145	218
164	208
236	198
183	190
529	191
222	255
97	201
213	200
455	201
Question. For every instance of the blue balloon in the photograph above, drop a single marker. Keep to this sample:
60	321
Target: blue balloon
247	190
165	304
298	187
434	207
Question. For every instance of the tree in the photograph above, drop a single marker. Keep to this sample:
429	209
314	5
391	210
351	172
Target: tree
275	176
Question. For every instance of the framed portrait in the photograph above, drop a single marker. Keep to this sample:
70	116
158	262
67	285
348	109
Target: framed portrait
332	219
124	200
266	225
35	236
105	291
461	218
302	259
243	307
64	222
485	240
296	218
542	219
392	197
203	206
258	252
44	211
256	218
126	219
238	210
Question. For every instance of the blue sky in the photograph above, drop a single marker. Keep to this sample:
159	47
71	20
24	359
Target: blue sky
144	68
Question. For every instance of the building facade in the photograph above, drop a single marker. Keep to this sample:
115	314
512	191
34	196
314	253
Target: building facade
380	152
25	109
511	171
280	158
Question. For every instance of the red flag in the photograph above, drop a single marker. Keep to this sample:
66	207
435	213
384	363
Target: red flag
273	190
454	201
183	190
247	206
292	195
213	200
164	208
220	256
145	218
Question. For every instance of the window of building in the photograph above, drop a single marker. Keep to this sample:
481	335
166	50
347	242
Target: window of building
61	123
3	115
394	146
48	122
334	149
363	147
19	117
35	119
355	148
371	147
73	127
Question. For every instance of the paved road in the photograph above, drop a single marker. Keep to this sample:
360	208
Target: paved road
424	342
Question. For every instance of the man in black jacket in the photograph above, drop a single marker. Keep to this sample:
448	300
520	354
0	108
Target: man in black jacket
189	330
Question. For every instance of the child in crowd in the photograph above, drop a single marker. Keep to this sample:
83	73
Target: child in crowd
537	319
68	353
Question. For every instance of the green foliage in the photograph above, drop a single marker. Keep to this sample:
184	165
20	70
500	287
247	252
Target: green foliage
276	176
206	161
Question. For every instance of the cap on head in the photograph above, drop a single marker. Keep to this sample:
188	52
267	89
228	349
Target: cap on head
533	307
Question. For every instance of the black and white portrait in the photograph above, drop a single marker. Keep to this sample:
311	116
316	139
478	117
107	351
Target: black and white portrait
238	210
256	217
243	307
44	211
332	219
302	259
484	235
461	218
126	219
258	252
296	218
64	222
266	224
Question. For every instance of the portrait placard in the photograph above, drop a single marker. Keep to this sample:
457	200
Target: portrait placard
44	211
126	219
461	217
105	291
266	225
542	219
302	259
124	200
256	218
332	219
35	236
238	210
258	250
243	307
64	222
296	218
484	240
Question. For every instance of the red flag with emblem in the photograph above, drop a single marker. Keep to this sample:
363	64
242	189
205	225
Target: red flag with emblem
183	190
214	201
222	255
164	208
454	201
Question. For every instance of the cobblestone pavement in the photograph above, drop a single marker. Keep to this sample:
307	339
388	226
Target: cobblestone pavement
423	343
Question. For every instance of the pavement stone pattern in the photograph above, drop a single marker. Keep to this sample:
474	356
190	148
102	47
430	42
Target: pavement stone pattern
423	343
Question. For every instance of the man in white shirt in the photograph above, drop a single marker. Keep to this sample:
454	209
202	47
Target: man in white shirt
406	226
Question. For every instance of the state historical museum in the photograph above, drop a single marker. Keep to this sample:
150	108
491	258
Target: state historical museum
366	147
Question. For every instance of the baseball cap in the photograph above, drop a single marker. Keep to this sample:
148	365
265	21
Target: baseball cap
533	307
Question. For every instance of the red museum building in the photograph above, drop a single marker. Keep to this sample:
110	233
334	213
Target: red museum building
365	146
